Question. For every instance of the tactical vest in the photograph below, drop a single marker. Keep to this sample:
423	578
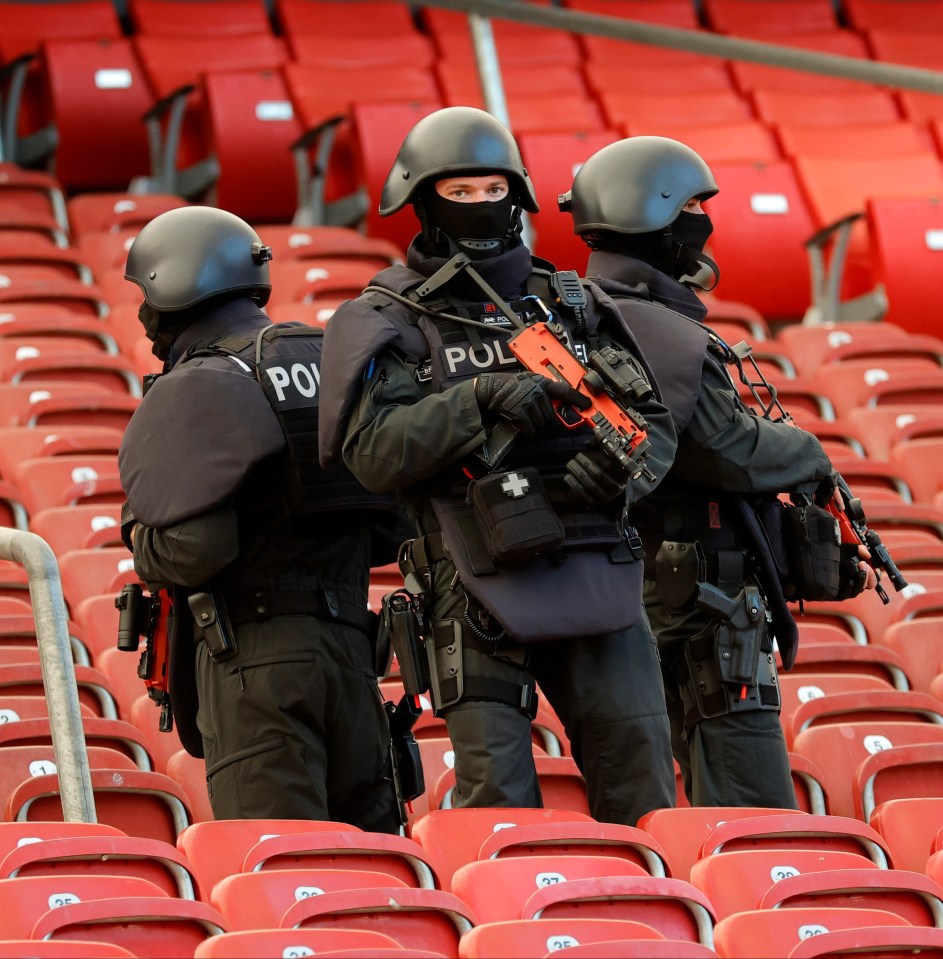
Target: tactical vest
458	351
285	359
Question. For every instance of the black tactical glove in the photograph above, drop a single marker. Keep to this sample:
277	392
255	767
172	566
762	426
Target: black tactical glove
851	578
594	478
524	399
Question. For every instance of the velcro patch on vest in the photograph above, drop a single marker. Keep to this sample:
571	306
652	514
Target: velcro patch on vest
461	360
292	381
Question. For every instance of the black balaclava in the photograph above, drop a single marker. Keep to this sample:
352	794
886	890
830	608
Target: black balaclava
677	250
162	329
481	230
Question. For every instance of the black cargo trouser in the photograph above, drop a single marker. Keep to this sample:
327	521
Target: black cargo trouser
738	759
293	726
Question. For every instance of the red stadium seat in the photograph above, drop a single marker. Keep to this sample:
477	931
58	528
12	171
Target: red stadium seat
880	940
908	826
285	942
499	889
773	933
777	16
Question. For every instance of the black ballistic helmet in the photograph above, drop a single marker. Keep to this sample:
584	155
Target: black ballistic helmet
190	254
452	141
637	185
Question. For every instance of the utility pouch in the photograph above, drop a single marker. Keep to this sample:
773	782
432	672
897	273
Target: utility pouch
402	624
515	513
209	614
676	572
813	547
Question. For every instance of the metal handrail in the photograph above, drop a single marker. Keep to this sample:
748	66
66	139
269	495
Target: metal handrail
58	668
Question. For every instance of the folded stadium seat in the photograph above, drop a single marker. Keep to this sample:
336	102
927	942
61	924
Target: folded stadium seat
682	831
13	512
737	320
26	26
523	938
18	443
800	396
919	644
181	150
288	942
551	160
104	251
217	848
835	40
22	763
909	826
73	527
578	838
805	687
774	17
918	461
517	43
289	242
42	361
761	217
190	773
866	705
115	212
455	836
901	772
813	632
901	14
90	572
398	856
151	859
880	940
112	733
303	281
66	404
37	199
95	690
886	425
862	105
672	13
258	900
839	749
561	784
14	709
788	833
253	104
149	926
48	481
30	255
677	909
906	240
85	299
911	895
737	881
918	522
141	802
460	85
27	899
497	890
29	321
866	658
810	346
98	94
379	130
741	141
855	383
884	138
622	108
377	19
169	18
837	187
324	80
709	74
773	933
420	919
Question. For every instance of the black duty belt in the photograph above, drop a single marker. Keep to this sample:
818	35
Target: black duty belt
253	605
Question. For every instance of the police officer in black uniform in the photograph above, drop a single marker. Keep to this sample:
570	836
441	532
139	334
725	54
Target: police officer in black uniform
267	555
709	589
526	571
